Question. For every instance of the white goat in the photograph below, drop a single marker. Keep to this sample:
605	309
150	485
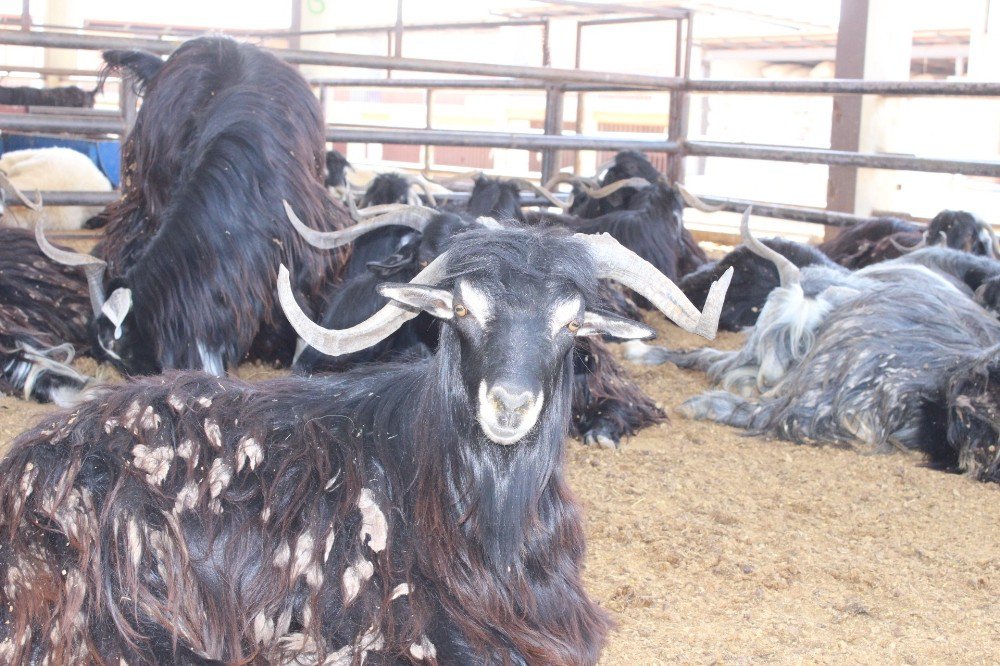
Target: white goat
40	169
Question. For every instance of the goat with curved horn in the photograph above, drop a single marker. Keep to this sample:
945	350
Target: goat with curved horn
922	243
788	272
539	190
414	217
616	262
92	267
611	188
612	260
421	182
571	179
694	201
376	328
21	196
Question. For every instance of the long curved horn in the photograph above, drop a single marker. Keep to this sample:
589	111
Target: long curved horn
788	273
458	177
608	190
601	168
618	263
92	267
373	330
22	197
907	248
571	179
692	200
421	182
541	191
414	217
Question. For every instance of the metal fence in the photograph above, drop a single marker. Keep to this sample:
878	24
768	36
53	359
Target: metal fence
556	83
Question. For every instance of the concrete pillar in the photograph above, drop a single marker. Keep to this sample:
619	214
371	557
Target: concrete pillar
62	13
984	65
875	42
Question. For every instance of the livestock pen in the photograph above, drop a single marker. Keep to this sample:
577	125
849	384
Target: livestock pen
706	545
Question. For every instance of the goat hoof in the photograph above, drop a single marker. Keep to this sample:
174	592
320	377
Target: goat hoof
601	436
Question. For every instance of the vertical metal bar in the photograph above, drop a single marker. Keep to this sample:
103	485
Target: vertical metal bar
25	14
553	125
388	51
295	39
845	131
324	100
546	52
398	51
577	165
428	121
676	124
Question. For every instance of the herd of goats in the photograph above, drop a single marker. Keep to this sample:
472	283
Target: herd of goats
401	496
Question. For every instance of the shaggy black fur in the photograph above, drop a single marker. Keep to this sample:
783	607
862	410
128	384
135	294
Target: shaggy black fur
226	132
42	305
753	280
336	169
71	96
188	519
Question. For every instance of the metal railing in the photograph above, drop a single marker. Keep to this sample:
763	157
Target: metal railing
556	82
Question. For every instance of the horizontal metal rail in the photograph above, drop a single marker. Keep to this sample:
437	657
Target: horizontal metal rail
472	84
515	141
841	158
847	86
520	141
17	122
829	218
63	40
796	213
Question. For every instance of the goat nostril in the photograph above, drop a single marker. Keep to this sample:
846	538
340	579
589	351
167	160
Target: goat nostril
509	401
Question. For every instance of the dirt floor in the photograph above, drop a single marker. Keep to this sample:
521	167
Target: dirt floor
708	546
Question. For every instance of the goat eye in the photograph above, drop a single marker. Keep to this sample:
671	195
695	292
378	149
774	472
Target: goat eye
460	310
573	326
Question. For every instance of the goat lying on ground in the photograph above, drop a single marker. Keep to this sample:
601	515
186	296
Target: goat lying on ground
878	240
753	279
607	405
414	512
641	211
45	169
193	247
44	312
894	354
71	96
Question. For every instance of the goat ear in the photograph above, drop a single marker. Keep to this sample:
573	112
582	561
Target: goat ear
437	302
598	323
116	308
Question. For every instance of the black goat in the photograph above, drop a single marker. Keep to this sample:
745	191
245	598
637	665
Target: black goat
495	197
641	211
417	512
70	96
753	280
193	246
607	405
894	354
336	169
882	239
44	311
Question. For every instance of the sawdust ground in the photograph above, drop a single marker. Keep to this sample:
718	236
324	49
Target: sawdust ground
708	546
